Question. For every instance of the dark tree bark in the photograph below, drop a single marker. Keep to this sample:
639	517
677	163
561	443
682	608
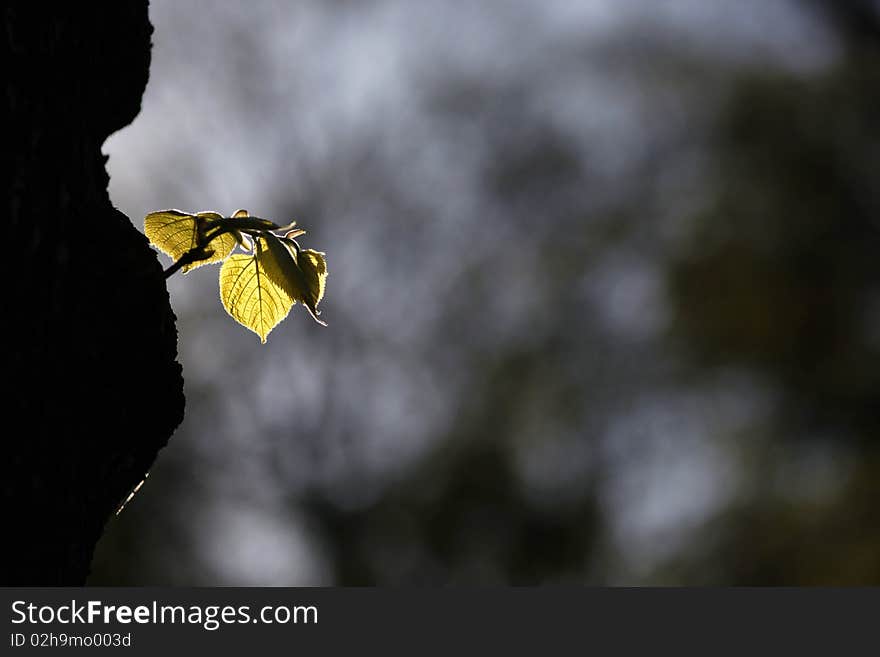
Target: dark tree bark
92	387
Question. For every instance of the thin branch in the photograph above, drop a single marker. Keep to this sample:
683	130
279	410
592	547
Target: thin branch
193	255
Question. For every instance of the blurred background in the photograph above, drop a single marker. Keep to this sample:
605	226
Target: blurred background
603	303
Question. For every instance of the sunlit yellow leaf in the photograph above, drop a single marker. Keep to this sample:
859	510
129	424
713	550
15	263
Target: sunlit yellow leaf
314	268
259	289
249	295
281	266
174	233
301	277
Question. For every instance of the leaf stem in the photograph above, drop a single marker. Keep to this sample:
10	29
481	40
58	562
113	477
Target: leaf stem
199	252
193	255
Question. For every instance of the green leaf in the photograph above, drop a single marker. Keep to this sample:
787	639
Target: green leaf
249	294
257	290
175	233
302	277
171	231
314	267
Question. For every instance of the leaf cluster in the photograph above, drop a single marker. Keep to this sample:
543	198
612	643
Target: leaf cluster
260	285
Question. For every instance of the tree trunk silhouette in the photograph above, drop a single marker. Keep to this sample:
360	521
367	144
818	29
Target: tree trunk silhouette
92	387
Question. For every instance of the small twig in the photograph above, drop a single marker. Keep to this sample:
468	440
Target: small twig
193	255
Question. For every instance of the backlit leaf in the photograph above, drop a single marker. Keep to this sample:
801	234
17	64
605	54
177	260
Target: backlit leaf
174	233
302	277
314	267
258	289
248	293
282	268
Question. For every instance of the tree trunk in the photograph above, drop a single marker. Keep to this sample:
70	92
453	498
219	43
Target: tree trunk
93	390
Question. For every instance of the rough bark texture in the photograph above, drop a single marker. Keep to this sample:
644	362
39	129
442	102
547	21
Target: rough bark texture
93	390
